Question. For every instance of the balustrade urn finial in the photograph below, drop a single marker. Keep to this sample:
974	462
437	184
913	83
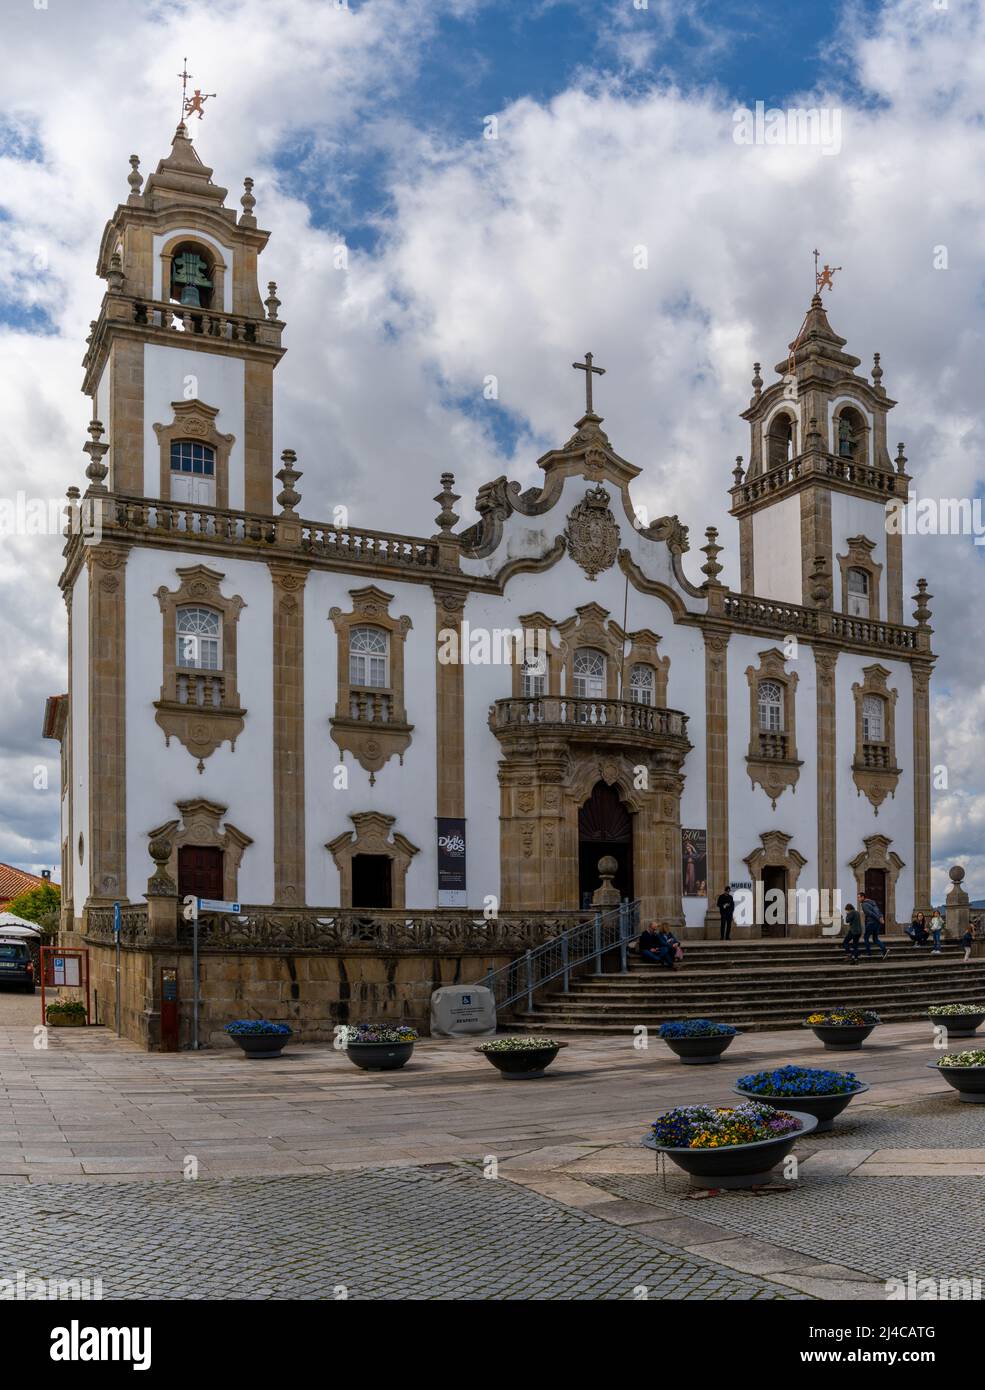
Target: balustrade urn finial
160	883
115	278
922	599
711	567
271	301
249	203
446	498
135	179
288	475
820	583
900	459
876	371
738	472
96	470
72	510
757	380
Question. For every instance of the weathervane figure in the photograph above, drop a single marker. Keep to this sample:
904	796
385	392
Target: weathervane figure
192	105
823	279
588	369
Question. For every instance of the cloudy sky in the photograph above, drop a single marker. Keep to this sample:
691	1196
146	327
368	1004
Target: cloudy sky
368	124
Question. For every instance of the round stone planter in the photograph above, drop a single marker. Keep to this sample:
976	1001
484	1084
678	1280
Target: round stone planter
841	1037
825	1109
57	1020
958	1025
525	1064
379	1056
969	1082
700	1052
257	1046
737	1165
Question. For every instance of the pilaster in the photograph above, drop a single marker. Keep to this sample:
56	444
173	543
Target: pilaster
288	740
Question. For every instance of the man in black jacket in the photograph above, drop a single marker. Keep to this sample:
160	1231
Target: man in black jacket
726	909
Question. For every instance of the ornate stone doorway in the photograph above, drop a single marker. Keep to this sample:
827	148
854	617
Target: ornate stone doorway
774	912
605	826
875	887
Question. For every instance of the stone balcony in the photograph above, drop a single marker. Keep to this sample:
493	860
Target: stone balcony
617	723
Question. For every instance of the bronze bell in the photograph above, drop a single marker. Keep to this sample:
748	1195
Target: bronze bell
191	296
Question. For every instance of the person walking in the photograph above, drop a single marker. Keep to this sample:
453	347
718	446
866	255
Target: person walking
726	911
853	934
966	941
873	920
936	931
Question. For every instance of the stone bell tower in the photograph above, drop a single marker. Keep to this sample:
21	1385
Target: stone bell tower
180	361
812	502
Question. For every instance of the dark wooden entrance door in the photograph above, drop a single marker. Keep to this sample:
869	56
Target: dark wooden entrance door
604	827
372	884
875	887
774	913
200	871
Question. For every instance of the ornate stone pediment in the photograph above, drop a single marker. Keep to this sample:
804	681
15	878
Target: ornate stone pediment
592	533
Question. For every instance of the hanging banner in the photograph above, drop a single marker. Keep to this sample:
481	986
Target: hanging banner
451	862
694	863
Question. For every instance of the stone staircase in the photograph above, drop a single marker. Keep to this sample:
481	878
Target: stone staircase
759	985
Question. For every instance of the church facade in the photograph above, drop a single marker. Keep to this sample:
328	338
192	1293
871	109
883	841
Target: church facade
306	716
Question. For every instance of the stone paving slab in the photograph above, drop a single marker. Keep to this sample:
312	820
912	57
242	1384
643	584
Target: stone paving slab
408	1235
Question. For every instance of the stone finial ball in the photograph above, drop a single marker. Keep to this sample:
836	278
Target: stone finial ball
955	873
608	866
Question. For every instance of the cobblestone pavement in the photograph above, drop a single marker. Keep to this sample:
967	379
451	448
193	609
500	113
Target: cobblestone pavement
882	1226
387	1234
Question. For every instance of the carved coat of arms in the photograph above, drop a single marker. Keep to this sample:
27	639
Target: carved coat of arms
592	533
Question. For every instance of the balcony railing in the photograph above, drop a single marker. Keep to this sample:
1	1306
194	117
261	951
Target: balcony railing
371	706
880	481
202	688
580	715
772	745
371	547
208	323
877	755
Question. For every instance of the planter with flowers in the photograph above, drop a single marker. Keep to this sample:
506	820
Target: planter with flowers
67	1013
697	1041
258	1037
728	1146
812	1090
377	1046
960	1020
520	1058
965	1071
843	1029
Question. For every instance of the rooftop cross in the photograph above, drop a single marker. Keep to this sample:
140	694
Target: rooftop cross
588	369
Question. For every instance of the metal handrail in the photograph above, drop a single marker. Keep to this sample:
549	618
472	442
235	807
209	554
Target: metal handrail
565	953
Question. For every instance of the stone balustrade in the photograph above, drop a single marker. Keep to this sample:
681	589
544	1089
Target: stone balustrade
623	719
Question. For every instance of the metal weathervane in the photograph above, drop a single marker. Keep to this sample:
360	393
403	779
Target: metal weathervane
823	278
193	105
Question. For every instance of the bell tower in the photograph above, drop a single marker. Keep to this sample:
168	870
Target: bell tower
812	503
180	362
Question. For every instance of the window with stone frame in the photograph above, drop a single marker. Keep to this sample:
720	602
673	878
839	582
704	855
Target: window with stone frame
873	719
771	760
369	658
770	703
588	674
874	767
534	673
370	720
199	639
642	683
193	472
858	593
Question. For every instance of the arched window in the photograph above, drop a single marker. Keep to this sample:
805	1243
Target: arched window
534	677
779	440
192	473
851	434
641	684
588	671
192	278
858	593
199	634
770	700
873	719
369	663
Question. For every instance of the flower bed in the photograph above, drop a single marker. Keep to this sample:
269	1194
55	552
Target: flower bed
377	1046
965	1071
814	1090
961	1020
70	1013
697	1041
258	1037
843	1028
518	1057
728	1146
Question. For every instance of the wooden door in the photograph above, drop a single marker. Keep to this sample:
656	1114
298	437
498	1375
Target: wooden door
200	871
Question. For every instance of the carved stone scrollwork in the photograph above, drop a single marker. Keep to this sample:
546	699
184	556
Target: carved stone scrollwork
592	533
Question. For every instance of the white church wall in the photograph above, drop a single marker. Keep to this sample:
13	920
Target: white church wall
777	551
408	792
853	516
79	710
856	816
216	380
159	776
750	811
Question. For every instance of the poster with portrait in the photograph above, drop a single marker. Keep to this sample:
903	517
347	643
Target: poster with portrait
694	863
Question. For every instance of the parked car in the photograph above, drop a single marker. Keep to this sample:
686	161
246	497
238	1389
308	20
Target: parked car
16	965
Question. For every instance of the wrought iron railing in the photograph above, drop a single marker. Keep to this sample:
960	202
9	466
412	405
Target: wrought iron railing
573	950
